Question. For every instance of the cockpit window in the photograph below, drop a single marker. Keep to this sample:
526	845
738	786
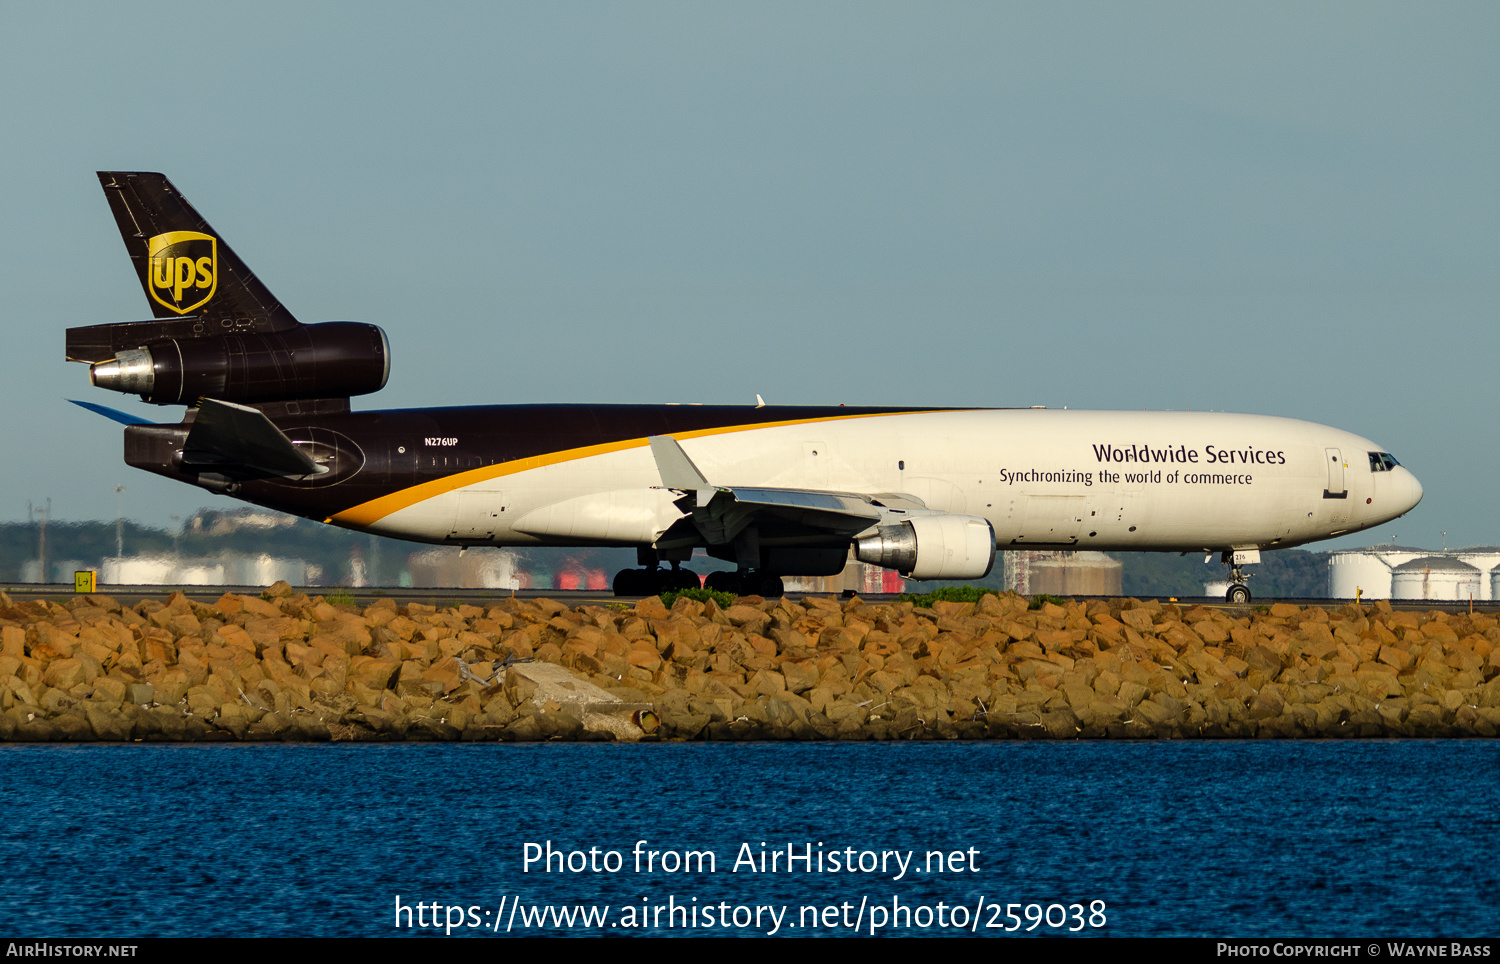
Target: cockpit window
1382	462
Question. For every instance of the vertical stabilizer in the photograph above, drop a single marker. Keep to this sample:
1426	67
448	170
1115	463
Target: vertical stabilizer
184	266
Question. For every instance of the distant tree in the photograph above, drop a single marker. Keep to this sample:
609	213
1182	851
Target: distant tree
1281	574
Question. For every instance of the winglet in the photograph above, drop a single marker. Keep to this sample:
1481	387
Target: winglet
677	470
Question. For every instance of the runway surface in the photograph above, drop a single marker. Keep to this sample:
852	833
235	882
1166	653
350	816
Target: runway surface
62	592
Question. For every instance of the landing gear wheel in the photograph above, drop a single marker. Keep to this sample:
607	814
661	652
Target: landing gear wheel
723	582
1239	593
627	582
770	587
680	579
640	582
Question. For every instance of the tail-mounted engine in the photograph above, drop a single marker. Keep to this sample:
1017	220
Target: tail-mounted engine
169	364
219	333
938	546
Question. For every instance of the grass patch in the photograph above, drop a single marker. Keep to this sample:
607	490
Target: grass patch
959	594
972	594
724	599
339	597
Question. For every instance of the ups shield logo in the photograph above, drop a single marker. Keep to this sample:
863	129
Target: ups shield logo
183	269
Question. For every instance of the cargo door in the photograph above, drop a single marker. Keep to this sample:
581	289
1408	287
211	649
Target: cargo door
1335	463
1337	510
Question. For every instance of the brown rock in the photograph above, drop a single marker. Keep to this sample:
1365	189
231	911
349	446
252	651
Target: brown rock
14	638
203	701
1131	693
64	674
108	691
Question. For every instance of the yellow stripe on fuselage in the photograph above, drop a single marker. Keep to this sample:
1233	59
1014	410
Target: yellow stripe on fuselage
368	513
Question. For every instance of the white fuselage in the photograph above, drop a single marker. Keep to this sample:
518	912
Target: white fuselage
1046	478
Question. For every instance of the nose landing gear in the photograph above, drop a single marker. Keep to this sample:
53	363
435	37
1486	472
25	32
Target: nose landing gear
1239	593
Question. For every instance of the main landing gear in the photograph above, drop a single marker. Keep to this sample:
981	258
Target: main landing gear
653	582
651	579
747	583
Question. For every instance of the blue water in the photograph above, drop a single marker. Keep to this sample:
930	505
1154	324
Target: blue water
1365	838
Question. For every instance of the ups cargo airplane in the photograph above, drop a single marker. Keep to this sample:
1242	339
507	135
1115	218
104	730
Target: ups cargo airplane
771	490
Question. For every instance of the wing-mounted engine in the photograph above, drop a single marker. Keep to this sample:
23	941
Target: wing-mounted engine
335	359
932	546
903	533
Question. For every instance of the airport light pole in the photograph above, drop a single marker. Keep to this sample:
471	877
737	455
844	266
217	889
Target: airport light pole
41	542
119	521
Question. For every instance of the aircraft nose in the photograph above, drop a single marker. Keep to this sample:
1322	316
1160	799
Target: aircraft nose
1413	490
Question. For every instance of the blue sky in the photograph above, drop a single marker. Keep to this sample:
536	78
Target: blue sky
1288	209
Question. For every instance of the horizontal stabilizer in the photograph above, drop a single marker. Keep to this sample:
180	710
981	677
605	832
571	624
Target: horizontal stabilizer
124	418
238	436
97	343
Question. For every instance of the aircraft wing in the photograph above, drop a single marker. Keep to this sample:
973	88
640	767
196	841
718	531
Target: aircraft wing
733	509
721	513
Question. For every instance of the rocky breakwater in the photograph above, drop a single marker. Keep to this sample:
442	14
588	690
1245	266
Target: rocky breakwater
288	667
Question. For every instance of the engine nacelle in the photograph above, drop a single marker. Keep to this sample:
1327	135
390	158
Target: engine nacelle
938	546
336	359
